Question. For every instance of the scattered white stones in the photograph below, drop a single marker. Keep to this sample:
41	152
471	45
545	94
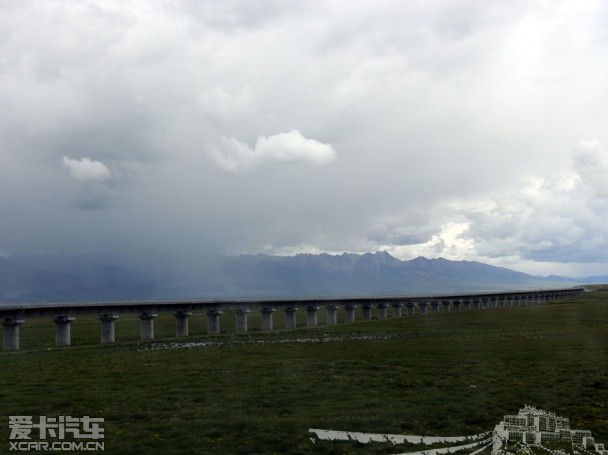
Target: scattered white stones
171	345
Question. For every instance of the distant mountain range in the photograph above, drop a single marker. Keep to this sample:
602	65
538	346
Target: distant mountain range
78	278
372	274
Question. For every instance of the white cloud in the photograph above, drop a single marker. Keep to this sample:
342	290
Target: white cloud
448	243
557	219
86	169
550	224
292	147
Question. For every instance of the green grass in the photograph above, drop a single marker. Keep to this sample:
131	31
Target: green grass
445	374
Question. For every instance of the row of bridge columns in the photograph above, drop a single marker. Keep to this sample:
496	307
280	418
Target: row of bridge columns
63	322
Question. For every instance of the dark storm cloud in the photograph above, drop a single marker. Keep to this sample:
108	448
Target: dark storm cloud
417	122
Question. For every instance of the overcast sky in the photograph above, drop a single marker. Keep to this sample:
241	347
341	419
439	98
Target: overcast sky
465	129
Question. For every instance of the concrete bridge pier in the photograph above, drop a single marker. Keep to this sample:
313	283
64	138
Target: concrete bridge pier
446	305
382	310
476	304
423	307
181	323
349	309
62	330
332	314
240	317
465	304
397	309
213	321
311	313
107	327
411	308
366	310
11	333
267	318
146	325
290	317
435	306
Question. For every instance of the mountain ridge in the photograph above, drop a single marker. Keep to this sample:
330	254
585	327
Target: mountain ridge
94	277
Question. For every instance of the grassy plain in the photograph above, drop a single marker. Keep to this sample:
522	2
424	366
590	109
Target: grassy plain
445	374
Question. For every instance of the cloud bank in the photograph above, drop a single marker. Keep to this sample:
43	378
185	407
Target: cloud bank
549	220
447	128
292	147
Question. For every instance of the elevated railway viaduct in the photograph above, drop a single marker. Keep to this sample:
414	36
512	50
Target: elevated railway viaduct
65	313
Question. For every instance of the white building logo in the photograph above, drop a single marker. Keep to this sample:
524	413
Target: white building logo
530	431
